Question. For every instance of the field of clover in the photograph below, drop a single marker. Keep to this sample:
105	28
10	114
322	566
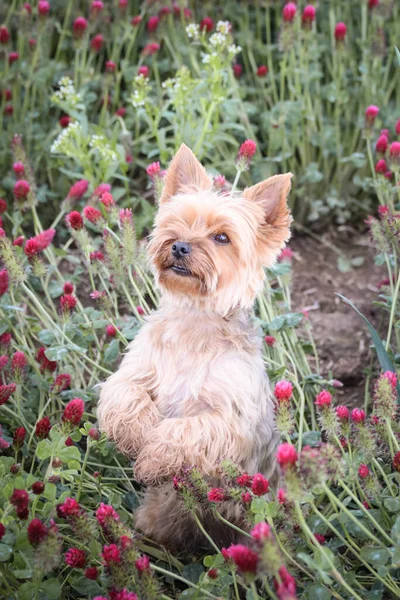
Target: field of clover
95	98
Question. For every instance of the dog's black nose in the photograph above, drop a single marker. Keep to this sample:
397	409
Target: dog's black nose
181	249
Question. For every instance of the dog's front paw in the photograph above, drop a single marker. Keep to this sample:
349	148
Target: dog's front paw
156	463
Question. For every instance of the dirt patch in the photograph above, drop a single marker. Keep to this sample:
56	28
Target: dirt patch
341	338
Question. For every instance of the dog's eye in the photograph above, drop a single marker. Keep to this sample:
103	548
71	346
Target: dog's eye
221	238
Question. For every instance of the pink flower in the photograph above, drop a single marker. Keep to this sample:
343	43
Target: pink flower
36	531
324	398
97	6
79	27
382	144
69	508
64	121
73	411
260	485
101	189
246	497
91	573
358	415
19	241
44	238
363	471
37	488
68	287
111	554
93	215
111	330
270	341
394	151
213	573
2	531
78	190
309	13
281	496
286	455
75	558
21	189
96	43
3	206
46	364
342	412
142	564
143	70
283	391
105	513
285	587
96	255
261	532
6	390
19	437
216	495
107	200
247	149
125	216
94	433
43	427
244	480
237	70
207	23
244	558
136	21
19	168
4	35
111	66
3	361
381	167
398	127
18	361
74	220
340	32
68	302
396	462
140	310
151	49
153	170
43	8
289	12
152	24
371	113
62	382
372	4
121	112
13	57
391	377
4	280
262	71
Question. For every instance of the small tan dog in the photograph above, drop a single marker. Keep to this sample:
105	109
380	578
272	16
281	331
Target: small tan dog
192	388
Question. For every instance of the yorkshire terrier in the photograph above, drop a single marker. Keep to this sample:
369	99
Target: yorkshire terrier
192	388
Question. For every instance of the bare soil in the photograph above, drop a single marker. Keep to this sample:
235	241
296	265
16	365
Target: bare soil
342	341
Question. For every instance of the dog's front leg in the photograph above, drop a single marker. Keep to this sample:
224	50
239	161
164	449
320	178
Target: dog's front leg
201	441
126	410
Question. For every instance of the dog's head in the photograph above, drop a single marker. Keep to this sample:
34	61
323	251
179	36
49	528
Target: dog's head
210	248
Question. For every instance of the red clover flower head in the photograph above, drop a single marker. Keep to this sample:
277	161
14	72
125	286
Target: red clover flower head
36	531
111	554
261	532
382	144
43	8
78	189
142	564
381	166
74	220
363	471
21	189
4	281
283	391
343	413
216	495
207	23
244	480
152	24
371	113
340	32
324	398
259	485
73	411
19	168
76	558
68	303
79	27
246	152
289	12
19	437
286	455
309	13
96	43
244	558
358	415
93	215
262	71
42	428
144	70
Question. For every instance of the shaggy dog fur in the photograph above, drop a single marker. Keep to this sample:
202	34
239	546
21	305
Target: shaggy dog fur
192	388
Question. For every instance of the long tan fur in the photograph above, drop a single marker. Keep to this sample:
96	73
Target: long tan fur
192	388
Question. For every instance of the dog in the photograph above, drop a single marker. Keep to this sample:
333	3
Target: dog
192	387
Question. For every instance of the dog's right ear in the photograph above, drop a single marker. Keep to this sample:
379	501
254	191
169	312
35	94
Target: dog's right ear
185	171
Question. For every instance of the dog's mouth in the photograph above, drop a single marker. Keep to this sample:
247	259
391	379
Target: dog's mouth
181	270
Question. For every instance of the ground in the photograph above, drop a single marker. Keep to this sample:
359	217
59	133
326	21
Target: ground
341	338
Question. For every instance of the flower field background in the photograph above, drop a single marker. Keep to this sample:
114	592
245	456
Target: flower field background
95	98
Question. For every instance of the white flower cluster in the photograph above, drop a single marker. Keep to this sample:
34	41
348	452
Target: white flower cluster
193	31
99	143
66	93
62	142
224	27
140	91
217	39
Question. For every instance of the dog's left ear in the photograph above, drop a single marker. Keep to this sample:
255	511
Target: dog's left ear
271	195
185	171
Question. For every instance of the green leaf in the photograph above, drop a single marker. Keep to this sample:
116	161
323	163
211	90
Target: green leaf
192	572
375	556
5	552
112	352
258	506
384	359
51	588
69	453
43	450
56	352
50	492
277	323
22	573
398	54
392	504
317	592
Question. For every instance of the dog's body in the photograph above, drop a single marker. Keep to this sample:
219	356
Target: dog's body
192	389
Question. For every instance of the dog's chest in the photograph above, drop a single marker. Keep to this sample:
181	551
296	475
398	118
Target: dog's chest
198	362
